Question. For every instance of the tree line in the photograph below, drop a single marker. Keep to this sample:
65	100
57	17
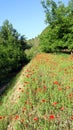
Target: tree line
12	51
59	33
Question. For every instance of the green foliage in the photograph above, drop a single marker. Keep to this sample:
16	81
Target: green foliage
33	42
34	48
50	9
12	47
59	34
31	53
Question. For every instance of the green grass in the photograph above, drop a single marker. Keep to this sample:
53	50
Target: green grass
41	97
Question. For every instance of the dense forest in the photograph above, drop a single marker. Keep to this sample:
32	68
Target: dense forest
12	55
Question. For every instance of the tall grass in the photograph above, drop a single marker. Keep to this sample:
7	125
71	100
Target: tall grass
42	98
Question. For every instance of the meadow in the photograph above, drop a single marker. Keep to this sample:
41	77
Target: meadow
40	97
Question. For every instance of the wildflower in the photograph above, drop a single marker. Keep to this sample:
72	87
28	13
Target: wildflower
71	117
62	108
54	103
43	100
51	117
59	88
1	117
70	95
39	89
56	83
35	118
16	117
45	87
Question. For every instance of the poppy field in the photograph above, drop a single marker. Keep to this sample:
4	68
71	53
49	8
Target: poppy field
41	97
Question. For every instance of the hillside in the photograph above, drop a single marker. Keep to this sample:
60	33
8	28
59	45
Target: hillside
33	41
40	96
34	47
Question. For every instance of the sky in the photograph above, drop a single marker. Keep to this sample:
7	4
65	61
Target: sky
26	16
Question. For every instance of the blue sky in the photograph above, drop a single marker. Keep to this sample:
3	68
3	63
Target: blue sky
26	16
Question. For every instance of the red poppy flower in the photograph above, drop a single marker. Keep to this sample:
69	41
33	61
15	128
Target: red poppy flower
1	117
16	117
70	95
56	83
54	103
62	108
59	88
71	117
43	100
45	87
35	118
51	117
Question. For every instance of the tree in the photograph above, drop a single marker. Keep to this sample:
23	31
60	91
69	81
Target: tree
60	22
55	12
50	10
12	47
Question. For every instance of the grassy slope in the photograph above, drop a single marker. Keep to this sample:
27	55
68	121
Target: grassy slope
41	97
